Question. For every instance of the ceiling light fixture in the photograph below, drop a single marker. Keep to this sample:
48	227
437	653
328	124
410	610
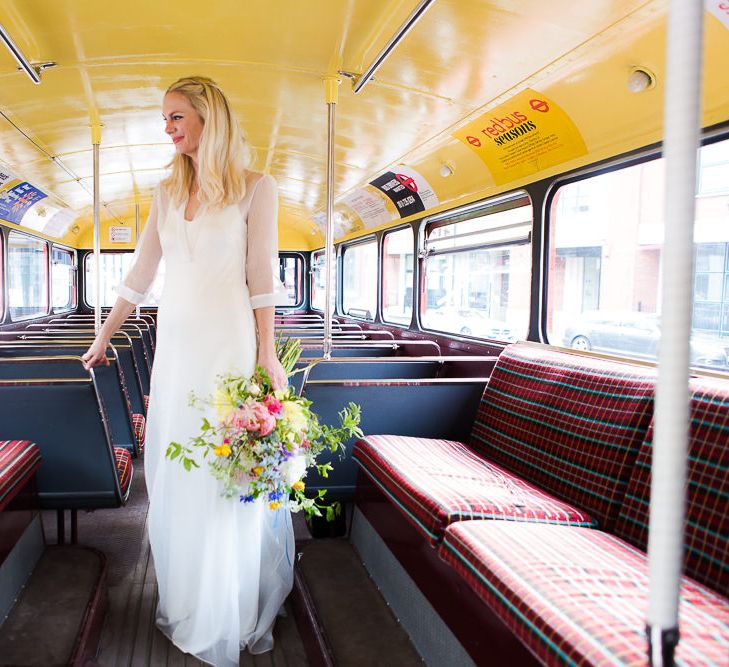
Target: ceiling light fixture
641	79
33	71
361	81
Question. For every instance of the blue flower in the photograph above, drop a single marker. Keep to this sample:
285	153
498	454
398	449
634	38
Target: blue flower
247	499
275	495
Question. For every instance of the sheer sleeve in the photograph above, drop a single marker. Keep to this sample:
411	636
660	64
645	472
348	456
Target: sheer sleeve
262	255
139	279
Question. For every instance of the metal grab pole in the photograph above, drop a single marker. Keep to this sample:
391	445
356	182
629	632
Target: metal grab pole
96	141
136	239
331	91
682	122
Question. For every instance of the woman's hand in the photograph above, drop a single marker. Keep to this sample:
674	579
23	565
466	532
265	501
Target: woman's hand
96	354
272	366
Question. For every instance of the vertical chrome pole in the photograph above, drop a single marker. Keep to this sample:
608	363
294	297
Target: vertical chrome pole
331	91
96	141
668	473
136	239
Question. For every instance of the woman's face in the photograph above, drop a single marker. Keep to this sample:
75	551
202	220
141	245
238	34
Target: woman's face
182	123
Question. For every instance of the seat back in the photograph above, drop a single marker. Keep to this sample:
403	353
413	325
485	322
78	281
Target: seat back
570	423
706	557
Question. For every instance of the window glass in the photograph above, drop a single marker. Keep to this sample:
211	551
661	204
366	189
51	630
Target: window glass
114	266
27	276
477	273
397	276
291	269
2	285
604	290
63	289
318	281
359	289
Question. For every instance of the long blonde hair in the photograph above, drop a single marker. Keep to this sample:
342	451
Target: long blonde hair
223	154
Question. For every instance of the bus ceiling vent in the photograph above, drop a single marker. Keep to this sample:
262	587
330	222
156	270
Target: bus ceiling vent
32	70
641	79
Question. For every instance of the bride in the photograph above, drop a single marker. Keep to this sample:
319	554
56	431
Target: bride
223	568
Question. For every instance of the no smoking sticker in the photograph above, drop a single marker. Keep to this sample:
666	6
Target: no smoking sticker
521	137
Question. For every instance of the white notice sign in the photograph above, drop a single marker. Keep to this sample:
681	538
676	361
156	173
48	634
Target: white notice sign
120	234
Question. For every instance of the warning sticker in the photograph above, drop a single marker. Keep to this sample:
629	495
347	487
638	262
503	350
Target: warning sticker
369	206
720	9
523	136
407	190
120	234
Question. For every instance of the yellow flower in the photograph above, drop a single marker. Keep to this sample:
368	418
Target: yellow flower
258	470
222	450
298	486
274	505
294	416
224	405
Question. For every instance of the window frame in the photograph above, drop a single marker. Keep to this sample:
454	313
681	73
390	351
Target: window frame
46	253
288	254
74	278
86	258
343	248
491	206
381	285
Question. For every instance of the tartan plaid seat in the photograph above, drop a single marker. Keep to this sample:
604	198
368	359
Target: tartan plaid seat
125	469
576	596
19	460
140	427
707	505
436	482
568	423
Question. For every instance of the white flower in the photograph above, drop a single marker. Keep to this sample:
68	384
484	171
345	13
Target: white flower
293	469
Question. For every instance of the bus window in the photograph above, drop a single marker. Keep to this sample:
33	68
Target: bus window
114	266
397	276
291	268
477	272
318	280
63	288
359	288
27	276
604	290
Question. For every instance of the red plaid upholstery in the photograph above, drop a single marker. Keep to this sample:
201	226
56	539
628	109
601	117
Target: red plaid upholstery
570	424
579	597
125	469
140	427
18	461
146	402
707	508
436	482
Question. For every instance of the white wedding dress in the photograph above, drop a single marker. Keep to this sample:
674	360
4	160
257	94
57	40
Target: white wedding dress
224	568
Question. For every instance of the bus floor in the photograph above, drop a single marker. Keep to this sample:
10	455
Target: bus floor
358	626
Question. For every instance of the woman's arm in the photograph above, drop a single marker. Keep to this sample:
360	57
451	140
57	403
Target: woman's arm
133	288
261	262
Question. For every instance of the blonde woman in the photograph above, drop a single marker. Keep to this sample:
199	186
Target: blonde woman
223	568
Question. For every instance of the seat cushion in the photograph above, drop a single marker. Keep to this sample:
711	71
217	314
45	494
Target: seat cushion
125	469
436	482
707	496
140	427
18	461
579	597
570	424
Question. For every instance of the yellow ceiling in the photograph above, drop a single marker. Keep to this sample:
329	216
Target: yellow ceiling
114	61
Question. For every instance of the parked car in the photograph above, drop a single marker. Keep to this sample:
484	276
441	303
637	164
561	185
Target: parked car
468	322
638	335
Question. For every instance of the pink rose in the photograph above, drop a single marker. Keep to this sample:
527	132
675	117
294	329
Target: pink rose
275	407
265	421
244	418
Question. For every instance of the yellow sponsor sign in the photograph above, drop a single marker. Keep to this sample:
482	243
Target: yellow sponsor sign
523	136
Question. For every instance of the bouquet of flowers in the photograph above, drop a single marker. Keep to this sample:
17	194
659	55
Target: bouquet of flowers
264	440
